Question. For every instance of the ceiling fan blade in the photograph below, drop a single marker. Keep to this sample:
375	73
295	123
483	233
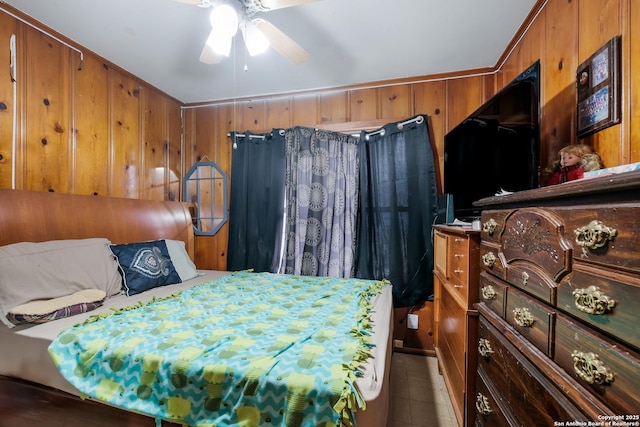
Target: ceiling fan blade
282	43
209	56
281	4
199	3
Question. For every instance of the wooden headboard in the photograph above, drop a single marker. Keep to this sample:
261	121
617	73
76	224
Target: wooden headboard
36	216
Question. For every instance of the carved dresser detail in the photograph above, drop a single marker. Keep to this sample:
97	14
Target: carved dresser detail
559	305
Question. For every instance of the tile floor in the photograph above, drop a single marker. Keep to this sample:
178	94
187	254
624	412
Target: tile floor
418	394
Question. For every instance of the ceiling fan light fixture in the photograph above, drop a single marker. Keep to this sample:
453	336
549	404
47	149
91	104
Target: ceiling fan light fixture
255	42
224	20
219	43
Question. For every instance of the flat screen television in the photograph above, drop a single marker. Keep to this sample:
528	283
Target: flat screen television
497	147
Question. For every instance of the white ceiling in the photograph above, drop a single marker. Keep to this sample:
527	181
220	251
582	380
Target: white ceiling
350	41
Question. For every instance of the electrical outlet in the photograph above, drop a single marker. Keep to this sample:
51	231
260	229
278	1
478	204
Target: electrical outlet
412	321
398	344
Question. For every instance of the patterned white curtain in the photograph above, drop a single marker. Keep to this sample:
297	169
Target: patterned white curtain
321	193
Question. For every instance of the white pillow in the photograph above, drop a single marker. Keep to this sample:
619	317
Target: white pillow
41	311
180	259
39	271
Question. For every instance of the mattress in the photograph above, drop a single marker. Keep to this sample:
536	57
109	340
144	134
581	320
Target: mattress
24	351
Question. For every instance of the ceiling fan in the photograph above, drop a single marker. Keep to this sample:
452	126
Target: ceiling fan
227	16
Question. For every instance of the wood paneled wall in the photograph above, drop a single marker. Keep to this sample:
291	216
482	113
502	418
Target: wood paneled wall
99	130
83	126
563	35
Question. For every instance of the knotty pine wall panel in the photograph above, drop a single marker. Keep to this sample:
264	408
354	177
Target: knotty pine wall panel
175	166
363	104
7	28
81	122
633	82
464	96
524	53
156	144
92	162
251	115
305	110
46	97
558	69
599	21
333	108
212	253
278	113
430	98
395	101
127	142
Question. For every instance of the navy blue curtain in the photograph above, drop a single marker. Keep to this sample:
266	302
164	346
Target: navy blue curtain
398	205
256	206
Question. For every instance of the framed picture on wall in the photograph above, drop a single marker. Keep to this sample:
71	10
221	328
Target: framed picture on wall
598	80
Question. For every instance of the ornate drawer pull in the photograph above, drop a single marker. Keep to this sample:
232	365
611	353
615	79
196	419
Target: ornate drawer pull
490	226
489	259
589	367
484	347
523	317
592	301
488	293
594	235
525	278
482	404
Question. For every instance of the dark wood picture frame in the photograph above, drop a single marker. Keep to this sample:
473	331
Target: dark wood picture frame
598	89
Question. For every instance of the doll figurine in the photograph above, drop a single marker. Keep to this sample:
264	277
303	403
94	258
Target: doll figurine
573	161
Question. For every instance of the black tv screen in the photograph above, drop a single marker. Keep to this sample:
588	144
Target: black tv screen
497	147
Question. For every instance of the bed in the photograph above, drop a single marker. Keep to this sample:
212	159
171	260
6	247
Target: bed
32	388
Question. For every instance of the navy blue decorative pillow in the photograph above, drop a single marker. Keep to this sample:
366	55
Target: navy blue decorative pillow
145	265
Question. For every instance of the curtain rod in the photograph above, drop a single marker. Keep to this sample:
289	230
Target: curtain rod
252	136
417	119
241	135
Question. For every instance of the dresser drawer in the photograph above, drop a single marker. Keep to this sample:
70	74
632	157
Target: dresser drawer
456	261
605	236
493	293
440	244
452	332
520	385
458	268
492	260
533	280
538	237
604	299
531	319
491	354
492	224
608	369
490	413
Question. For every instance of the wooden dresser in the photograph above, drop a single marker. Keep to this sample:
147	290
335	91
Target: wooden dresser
456	262
559	326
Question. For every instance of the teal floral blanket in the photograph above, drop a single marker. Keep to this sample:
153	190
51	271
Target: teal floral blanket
249	349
